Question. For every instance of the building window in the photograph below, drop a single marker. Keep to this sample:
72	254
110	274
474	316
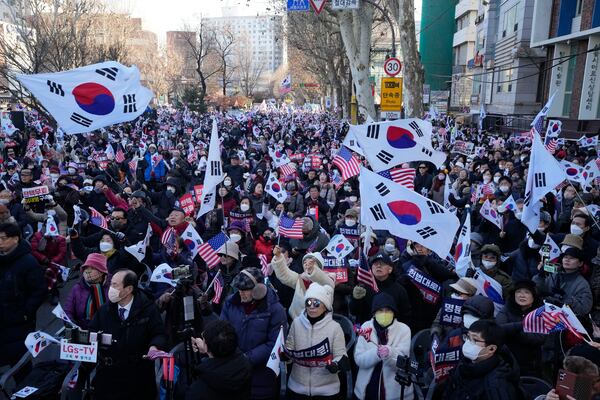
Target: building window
569	81
578	7
510	21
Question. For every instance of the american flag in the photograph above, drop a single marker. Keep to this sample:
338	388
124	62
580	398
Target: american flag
120	156
133	165
542	321
487	189
538	124
403	176
169	239
336	179
348	164
364	274
98	219
156	159
290	228
264	264
208	250
287	170
218	288
550	143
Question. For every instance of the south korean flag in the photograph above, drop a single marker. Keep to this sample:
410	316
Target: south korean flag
389	206
90	97
339	246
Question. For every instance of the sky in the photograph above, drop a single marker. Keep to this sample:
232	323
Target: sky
160	16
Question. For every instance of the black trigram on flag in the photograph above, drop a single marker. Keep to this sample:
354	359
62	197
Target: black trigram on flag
416	128
81	120
463	231
428	152
527	199
215	168
434	207
352	142
539	179
109	73
373	131
382	189
377	212
55	88
426	232
208	198
384	156
129	104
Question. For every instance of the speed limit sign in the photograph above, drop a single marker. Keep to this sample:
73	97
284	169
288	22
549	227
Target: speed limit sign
392	66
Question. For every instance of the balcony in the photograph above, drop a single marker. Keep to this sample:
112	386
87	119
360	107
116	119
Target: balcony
467	34
465	6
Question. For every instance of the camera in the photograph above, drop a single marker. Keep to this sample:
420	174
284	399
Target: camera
181	272
548	266
82	336
406	371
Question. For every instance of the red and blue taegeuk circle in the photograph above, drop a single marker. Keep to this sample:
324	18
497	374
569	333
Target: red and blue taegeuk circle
189	244
400	138
94	98
406	212
458	251
339	247
572	171
276	187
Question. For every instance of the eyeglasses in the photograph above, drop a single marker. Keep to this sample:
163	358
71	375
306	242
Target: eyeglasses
117	218
466	337
312	303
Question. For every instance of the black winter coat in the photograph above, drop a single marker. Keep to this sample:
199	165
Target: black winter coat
222	378
129	376
22	291
361	309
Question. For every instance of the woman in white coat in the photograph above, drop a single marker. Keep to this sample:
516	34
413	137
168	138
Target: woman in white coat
314	372
382	339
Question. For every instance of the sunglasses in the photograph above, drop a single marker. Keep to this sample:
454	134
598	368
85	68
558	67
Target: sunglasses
312	303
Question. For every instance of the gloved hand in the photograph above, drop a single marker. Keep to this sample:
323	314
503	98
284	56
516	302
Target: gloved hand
332	368
383	352
120	235
359	292
353	263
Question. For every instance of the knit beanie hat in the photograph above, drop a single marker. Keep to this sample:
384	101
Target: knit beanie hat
96	261
383	300
316	256
324	293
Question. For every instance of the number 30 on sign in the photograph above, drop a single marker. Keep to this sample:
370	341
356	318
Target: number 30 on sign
392	66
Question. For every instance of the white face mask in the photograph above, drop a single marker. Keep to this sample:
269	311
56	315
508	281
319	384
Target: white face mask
227	182
518	215
105	246
455	296
504	188
576	230
349	222
532	244
235	237
353	199
488	264
496	179
468	320
71	171
244	207
389	247
171	189
113	295
470	350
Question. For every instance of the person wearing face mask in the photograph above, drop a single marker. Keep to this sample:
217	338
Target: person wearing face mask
155	166
377	350
226	200
90	292
317	206
565	208
50	249
581	225
314	325
294	201
257	317
349	227
137	329
524	261
234	170
96	198
243	213
110	247
504	189
229	265
463	289
265	243
238	233
487	371
491	266
165	200
390	247
567	286
526	347
312	236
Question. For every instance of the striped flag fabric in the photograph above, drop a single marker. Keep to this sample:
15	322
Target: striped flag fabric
287	170
119	155
290	228
98	219
403	176
264	264
169	239
364	274
542	321
208	251
218	288
133	165
347	163
336	179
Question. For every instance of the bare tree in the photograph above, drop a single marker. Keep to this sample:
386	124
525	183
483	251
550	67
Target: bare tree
249	70
159	70
224	47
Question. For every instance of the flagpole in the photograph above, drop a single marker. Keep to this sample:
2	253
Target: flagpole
582	202
212	282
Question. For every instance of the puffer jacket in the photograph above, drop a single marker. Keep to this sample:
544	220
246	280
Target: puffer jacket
365	356
569	288
315	381
298	282
76	301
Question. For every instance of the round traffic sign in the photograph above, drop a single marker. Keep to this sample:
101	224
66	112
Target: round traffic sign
392	66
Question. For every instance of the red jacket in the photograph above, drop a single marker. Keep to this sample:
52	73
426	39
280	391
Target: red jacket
261	246
55	251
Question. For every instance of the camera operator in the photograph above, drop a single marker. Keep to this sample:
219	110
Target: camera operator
226	373
137	328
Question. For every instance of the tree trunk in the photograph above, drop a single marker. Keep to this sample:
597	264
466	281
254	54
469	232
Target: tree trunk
355	29
412	68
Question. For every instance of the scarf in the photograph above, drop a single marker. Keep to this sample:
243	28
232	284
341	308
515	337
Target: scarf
95	300
109	253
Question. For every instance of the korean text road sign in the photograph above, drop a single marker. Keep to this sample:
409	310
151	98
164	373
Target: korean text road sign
391	94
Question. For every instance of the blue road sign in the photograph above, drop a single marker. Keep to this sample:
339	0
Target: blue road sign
298	5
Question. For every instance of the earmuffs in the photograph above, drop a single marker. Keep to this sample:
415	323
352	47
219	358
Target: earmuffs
259	291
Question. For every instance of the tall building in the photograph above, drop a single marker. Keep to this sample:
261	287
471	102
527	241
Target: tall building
435	37
463	47
569	31
178	46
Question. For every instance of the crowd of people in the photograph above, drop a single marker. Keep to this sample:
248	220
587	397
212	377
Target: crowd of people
138	177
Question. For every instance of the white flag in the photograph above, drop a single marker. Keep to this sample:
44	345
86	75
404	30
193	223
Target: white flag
275	358
214	172
61	314
462	251
275	189
553	249
488	212
447	191
90	97
192	240
573	320
110	152
351	143
339	246
508	204
591	172
37	341
279	157
76	215
163	274
138	250
390	143
490	288
585	141
538	121
7	125
208	201
574	172
543	176
51	228
413	217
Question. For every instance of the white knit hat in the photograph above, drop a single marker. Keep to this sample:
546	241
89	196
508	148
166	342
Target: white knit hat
324	293
317	256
